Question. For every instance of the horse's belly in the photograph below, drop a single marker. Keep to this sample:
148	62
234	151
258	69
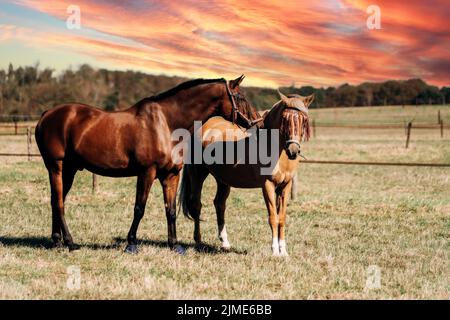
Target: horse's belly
101	154
238	176
101	148
112	172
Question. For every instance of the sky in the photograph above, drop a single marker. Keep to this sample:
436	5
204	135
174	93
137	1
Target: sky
274	43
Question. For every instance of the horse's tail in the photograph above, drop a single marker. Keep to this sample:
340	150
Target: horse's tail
38	130
185	191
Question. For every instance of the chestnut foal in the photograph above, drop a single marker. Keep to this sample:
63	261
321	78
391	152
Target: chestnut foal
290	117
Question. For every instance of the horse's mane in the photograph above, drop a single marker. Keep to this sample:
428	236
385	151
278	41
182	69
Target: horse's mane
183	86
296	103
273	109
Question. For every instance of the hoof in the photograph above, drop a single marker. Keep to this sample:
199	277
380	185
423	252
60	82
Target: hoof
200	247
56	245
73	247
179	249
131	249
225	249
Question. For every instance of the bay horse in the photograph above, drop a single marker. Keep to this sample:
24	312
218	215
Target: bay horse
290	117
132	142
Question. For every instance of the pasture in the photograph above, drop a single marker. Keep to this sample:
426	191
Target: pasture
344	221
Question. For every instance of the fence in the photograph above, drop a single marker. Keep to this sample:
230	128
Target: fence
16	129
19	117
406	126
364	163
294	182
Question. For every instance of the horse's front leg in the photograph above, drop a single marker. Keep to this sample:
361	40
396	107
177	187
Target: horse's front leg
169	182
283	196
270	200
144	183
223	191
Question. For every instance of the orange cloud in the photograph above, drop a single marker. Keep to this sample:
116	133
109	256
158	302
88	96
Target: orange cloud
8	32
274	43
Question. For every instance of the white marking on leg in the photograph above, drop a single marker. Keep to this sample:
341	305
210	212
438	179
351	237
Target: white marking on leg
223	236
275	247
283	251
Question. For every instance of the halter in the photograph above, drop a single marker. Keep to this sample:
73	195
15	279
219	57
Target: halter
236	112
293	141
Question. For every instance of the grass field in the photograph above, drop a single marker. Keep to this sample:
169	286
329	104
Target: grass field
346	219
389	114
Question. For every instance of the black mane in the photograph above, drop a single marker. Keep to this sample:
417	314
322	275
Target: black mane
183	86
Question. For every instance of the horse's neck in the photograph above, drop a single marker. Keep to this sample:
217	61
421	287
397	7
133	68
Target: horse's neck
194	104
273	119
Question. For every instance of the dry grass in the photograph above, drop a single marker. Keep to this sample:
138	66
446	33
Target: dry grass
346	219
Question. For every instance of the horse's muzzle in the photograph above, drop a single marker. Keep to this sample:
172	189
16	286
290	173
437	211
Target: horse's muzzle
292	149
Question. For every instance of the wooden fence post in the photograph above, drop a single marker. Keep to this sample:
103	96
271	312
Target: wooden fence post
29	143
94	183
314	128
15	127
294	187
439	116
442	128
408	134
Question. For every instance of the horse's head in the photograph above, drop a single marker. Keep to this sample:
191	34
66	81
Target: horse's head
294	122
238	108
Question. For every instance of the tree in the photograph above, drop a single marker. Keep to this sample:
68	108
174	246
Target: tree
112	101
29	89
445	93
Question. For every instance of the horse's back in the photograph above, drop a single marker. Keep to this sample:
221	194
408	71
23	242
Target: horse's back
219	129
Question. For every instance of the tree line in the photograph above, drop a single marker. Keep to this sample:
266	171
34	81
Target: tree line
31	90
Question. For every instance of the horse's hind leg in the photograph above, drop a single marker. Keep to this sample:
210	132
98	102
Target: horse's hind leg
59	225
68	174
169	182
223	191
56	200
197	175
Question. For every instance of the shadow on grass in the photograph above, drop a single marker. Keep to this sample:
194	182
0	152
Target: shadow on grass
31	242
119	243
203	248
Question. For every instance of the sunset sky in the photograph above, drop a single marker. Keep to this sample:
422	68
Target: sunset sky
319	43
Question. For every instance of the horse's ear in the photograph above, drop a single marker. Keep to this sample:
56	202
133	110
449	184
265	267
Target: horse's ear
234	83
283	97
308	100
